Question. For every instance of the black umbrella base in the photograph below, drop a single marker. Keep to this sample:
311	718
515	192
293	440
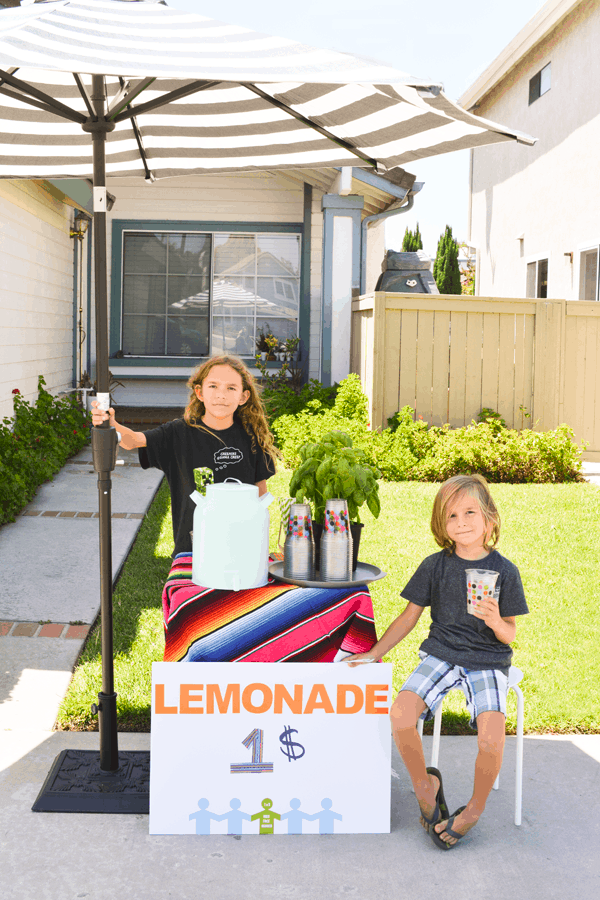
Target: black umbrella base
77	784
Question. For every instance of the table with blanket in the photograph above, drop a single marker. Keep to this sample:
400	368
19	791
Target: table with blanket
276	623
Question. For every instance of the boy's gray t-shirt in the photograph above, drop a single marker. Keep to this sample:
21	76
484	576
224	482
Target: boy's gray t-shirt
455	636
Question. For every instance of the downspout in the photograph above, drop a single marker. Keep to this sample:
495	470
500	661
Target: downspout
76	301
375	218
77	232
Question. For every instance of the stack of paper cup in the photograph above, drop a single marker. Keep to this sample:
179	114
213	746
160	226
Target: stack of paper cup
336	543
299	547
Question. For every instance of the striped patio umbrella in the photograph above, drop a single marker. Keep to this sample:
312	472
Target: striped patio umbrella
187	94
126	87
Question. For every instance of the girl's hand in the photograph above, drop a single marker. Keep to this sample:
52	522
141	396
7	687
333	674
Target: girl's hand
357	658
99	415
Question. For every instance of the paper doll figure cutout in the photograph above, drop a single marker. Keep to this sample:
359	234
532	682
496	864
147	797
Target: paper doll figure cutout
295	817
203	817
326	817
267	818
235	817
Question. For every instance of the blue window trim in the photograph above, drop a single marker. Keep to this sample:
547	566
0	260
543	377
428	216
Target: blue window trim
121	225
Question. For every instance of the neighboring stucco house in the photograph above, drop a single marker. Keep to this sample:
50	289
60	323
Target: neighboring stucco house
197	265
534	210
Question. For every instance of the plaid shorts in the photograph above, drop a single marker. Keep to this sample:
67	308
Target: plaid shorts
485	690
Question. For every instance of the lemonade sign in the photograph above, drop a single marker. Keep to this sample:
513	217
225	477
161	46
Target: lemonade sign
265	748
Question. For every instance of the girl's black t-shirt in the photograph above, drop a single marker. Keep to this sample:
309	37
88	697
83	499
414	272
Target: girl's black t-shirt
177	448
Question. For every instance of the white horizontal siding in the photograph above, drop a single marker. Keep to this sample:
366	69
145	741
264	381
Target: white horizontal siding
245	198
36	293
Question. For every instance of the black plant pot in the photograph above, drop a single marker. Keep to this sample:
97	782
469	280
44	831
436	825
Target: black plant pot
355	530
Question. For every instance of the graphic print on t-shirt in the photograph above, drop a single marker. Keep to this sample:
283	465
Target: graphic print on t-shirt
227	456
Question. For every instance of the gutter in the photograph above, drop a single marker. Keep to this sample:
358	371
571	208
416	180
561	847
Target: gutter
375	218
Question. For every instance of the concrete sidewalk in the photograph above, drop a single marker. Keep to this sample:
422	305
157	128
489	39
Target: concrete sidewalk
50	586
49	596
553	855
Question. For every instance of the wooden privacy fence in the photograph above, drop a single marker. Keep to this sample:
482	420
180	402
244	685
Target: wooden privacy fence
448	356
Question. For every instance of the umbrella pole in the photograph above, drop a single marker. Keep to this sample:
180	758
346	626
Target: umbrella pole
78	780
104	437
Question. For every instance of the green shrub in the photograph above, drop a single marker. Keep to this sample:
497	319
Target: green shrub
502	455
281	399
35	444
408	449
349	413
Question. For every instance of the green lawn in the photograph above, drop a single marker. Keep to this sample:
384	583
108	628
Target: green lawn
552	533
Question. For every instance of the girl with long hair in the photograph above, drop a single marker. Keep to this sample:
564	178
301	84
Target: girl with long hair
224	428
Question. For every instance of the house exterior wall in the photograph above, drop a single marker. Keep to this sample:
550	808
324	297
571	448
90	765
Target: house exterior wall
36	292
548	193
251	197
375	253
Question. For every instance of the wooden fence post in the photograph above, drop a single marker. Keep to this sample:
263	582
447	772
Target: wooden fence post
548	375
379	314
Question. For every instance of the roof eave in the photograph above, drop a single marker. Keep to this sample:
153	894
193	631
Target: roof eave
544	21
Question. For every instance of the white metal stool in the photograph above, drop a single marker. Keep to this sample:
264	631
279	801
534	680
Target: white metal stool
514	677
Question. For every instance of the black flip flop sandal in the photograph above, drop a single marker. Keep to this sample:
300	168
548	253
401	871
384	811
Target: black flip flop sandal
437	840
439	797
433	820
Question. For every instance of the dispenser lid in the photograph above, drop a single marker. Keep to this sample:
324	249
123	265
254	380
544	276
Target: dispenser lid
230	494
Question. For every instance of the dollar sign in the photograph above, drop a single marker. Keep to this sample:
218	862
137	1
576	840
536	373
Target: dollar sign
289	746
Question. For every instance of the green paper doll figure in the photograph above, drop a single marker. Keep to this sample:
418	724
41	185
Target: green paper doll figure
267	818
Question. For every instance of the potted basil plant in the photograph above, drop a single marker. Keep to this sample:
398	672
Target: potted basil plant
334	468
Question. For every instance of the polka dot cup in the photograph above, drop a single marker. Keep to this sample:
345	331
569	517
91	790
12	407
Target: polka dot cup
481	585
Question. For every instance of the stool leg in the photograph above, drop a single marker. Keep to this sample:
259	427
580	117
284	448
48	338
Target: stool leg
519	761
437	729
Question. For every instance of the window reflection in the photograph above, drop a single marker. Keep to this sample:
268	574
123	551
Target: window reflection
170	295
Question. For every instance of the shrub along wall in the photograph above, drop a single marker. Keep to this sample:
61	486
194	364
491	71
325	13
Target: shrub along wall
411	450
35	444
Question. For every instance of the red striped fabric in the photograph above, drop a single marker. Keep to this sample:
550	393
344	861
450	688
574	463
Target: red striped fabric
275	623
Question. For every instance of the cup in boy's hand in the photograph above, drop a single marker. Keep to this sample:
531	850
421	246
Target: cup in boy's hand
480	586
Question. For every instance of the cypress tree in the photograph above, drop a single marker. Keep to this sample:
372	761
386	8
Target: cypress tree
445	268
412	240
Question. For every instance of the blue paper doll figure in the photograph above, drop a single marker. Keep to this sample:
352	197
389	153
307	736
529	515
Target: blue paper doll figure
204	817
235	817
326	817
295	816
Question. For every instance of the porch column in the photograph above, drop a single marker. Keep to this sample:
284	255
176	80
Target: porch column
341	282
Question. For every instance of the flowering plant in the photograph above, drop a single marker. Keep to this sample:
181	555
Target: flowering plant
36	443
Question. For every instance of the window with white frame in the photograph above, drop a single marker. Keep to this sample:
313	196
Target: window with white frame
540	83
588	274
197	293
537	279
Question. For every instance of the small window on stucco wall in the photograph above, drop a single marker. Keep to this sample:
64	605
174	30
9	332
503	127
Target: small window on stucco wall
588	275
537	279
539	84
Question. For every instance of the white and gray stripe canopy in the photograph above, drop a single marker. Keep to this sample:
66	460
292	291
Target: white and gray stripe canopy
238	100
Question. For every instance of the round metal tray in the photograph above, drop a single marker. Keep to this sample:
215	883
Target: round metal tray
363	574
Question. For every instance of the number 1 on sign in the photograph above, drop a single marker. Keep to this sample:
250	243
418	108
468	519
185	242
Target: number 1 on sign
254	740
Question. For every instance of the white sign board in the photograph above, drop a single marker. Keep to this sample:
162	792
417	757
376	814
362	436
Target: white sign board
265	748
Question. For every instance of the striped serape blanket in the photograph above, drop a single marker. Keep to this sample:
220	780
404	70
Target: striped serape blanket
275	623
